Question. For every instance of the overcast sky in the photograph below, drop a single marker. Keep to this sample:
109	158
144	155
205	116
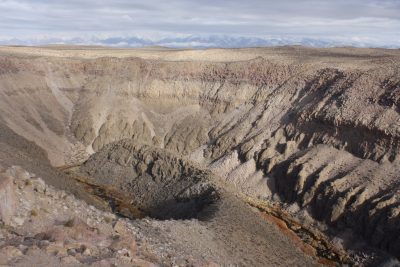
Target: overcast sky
377	20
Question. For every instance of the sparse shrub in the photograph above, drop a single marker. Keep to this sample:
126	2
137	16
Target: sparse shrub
69	223
34	213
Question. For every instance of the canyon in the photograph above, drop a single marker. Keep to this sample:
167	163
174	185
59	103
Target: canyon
175	143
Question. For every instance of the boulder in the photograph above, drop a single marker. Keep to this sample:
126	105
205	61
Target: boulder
8	201
9	253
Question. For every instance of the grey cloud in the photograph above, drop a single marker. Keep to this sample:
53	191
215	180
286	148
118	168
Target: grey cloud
373	19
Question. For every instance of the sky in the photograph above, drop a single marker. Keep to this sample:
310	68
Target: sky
359	21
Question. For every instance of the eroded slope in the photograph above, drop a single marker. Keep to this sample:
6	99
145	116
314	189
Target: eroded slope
316	127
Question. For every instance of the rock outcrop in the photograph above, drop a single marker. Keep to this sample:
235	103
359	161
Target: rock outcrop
342	190
159	183
8	200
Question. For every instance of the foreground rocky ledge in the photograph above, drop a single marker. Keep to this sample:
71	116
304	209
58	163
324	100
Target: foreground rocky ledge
48	227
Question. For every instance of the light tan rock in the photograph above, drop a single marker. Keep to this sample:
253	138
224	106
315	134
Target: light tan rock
70	260
9	253
120	227
8	201
125	243
143	263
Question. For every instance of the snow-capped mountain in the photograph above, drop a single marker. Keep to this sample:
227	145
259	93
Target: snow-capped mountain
196	41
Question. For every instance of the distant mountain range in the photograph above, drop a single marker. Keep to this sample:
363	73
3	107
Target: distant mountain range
194	41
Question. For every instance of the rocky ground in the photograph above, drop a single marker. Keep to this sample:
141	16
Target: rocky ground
314	131
45	226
